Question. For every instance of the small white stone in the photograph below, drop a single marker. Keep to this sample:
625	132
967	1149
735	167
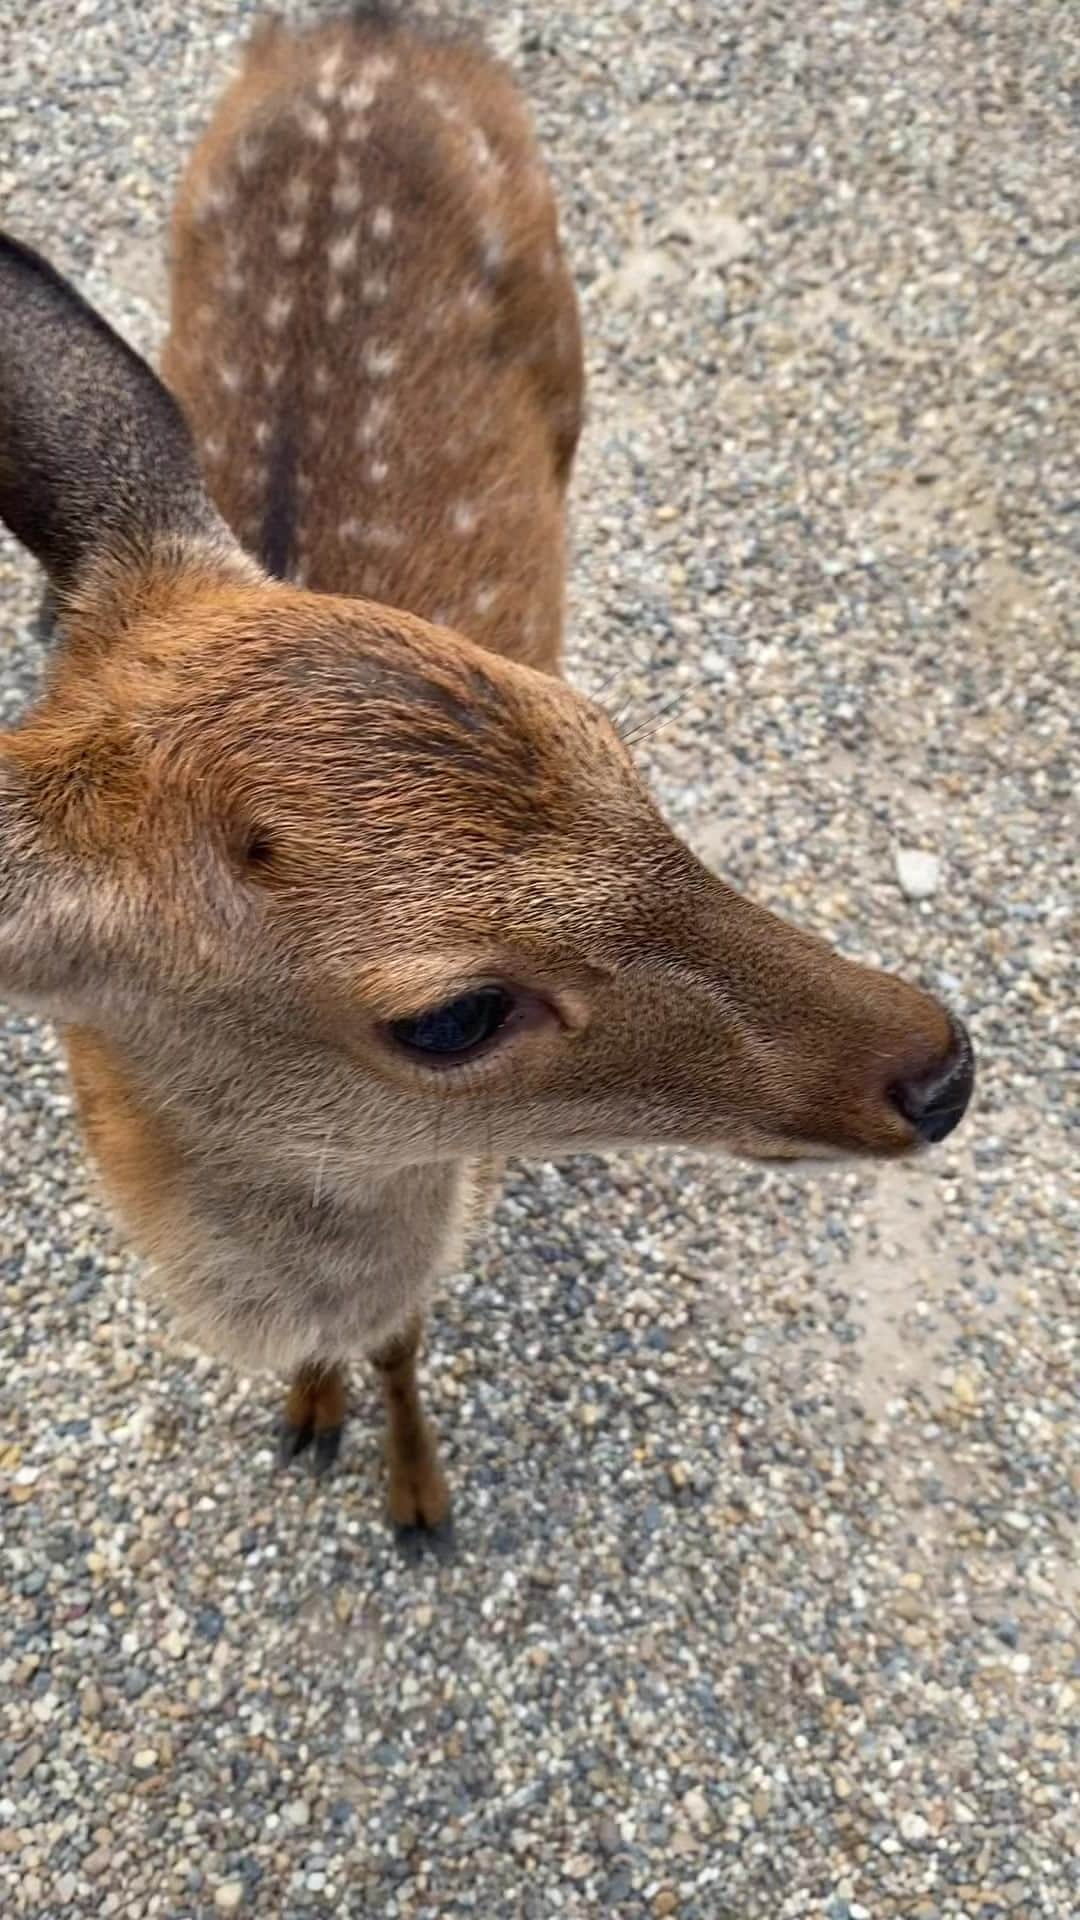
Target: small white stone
229	1896
696	1809
918	872
913	1828
297	1813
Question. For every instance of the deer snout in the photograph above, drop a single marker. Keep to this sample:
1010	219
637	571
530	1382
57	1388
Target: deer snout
935	1099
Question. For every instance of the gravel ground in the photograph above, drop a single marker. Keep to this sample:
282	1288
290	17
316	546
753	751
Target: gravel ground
766	1600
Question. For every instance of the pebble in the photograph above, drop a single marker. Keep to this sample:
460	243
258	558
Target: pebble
918	872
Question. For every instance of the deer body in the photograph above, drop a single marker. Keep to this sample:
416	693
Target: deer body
375	339
337	906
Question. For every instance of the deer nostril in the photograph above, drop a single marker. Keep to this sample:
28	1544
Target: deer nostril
936	1102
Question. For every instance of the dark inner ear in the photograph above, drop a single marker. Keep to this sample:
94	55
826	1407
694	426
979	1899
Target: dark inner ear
95	455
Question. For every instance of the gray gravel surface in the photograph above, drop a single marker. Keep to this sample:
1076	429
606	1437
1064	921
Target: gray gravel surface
766	1600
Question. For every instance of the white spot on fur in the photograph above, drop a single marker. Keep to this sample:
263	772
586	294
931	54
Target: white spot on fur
212	447
214	199
484	599
349	529
248	154
304	485
335	304
313	123
376	417
380	361
272	372
355	130
229	376
203	314
345	195
232	281
377	472
342	252
483	152
261	432
320	377
278	311
329	68
298	194
382	223
359	94
388	537
494	250
374	289
290	240
464	518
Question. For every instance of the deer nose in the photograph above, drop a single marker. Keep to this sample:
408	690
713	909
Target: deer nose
936	1102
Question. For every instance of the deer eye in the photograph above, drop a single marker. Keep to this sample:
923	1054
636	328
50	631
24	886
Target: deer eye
459	1028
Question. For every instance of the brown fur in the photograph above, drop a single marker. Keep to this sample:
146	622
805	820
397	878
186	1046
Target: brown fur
253	821
458	452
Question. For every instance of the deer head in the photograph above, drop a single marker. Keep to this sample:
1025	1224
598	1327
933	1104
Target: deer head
330	871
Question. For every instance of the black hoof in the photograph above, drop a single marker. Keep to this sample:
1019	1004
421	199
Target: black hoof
292	1442
327	1448
415	1543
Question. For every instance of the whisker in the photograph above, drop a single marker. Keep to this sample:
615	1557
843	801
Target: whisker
651	722
321	1168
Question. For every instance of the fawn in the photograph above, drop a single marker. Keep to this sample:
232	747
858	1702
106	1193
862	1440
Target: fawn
336	906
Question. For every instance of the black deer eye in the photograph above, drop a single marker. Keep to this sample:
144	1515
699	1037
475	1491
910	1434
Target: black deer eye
457	1028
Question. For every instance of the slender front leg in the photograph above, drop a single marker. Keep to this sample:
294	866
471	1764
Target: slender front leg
418	1496
314	1415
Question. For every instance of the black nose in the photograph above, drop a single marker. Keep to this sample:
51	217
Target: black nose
935	1103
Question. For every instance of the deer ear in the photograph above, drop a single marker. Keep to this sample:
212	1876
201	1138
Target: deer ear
96	460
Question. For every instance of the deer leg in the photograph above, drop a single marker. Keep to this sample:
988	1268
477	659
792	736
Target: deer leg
314	1415
418	1497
